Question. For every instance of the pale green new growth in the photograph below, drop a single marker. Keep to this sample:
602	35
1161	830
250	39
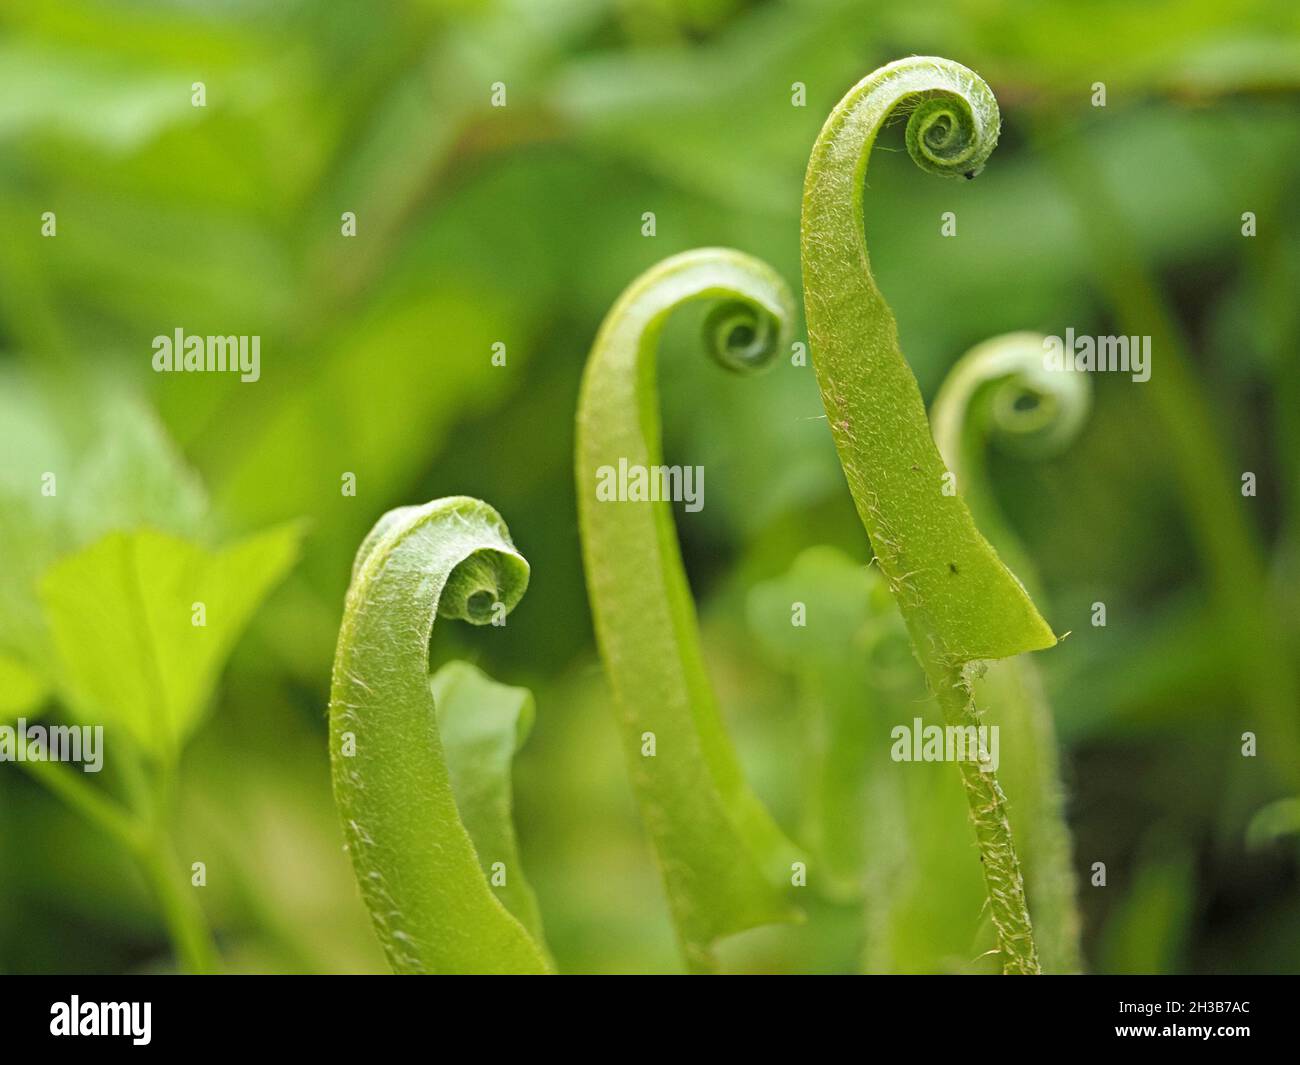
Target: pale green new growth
1001	390
960	603
724	861
422	788
120	613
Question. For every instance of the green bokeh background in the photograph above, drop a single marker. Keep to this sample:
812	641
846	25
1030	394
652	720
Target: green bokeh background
520	225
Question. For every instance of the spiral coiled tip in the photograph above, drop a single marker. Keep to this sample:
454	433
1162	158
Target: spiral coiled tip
952	132
1005	384
1038	412
742	336
484	587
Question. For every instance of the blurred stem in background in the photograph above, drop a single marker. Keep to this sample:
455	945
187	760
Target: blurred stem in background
144	833
1234	569
1276	271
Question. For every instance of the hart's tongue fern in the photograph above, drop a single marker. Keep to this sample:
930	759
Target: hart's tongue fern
960	603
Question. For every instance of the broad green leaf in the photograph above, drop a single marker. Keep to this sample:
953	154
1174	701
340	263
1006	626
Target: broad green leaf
724	860
482	725
75	469
21	689
414	857
142	623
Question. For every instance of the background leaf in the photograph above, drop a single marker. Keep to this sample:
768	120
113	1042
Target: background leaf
76	467
120	614
21	690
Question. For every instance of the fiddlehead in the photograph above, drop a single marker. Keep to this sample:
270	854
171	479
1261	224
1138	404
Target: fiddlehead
1001	387
414	858
721	855
1001	392
959	601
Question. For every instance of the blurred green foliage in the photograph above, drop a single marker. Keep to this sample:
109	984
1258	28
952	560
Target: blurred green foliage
519	225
